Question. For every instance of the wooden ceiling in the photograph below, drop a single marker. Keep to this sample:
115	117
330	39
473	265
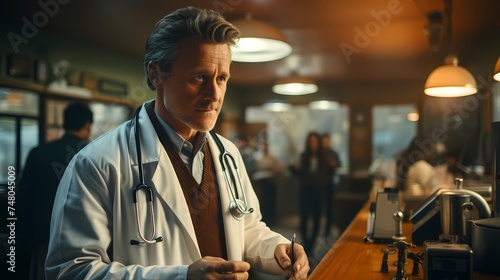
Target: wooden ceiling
395	46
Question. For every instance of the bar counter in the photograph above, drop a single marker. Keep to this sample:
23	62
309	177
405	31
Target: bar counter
351	258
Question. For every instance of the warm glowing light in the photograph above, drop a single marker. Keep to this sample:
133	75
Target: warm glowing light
496	72
295	86
413	116
259	42
323	105
450	80
277	105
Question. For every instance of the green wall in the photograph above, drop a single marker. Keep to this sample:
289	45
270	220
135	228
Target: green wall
83	58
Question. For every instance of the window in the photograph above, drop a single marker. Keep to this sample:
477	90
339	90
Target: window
18	129
393	130
287	130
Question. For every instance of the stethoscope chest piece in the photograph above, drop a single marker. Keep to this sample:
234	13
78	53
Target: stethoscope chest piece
238	209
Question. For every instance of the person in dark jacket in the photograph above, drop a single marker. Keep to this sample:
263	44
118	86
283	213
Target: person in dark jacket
40	178
310	170
332	162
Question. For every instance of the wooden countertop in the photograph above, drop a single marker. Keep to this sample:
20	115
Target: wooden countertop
351	258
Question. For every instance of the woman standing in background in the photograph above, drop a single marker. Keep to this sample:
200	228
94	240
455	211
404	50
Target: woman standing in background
310	171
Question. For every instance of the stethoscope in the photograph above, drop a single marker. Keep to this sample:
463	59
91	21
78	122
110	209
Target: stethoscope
237	207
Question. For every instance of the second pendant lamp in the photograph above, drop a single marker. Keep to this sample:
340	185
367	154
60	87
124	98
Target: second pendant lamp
450	80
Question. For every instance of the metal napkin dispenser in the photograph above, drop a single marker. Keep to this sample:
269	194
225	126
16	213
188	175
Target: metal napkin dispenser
384	227
484	241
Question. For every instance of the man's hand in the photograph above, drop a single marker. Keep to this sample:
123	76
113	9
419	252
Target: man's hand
217	268
300	268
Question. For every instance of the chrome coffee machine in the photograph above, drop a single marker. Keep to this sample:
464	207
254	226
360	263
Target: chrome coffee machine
455	212
442	224
429	224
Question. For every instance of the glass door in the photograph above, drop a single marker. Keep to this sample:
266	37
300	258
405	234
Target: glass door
19	130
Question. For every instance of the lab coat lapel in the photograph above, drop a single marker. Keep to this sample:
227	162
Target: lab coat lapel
233	229
158	167
170	191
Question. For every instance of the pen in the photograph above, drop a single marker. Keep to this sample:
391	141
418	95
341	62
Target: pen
292	252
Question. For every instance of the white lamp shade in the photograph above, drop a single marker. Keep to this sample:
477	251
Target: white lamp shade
323	105
295	86
259	42
450	81
277	105
496	72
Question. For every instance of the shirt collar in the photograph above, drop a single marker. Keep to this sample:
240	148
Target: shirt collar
179	142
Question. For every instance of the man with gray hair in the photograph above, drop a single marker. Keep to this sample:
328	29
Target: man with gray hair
153	199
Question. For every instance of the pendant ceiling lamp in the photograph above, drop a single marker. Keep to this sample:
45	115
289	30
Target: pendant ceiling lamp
450	80
295	86
496	72
323	105
277	105
259	42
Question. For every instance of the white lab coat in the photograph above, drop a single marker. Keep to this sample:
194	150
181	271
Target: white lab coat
94	218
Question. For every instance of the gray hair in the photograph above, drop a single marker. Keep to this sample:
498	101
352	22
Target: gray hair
162	46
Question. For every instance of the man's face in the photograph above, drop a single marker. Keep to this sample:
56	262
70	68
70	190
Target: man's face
190	98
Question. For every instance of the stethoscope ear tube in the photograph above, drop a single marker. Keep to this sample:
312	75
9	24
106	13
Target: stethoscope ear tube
137	242
145	240
148	190
237	207
149	194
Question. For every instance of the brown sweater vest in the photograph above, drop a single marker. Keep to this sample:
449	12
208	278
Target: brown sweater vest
202	199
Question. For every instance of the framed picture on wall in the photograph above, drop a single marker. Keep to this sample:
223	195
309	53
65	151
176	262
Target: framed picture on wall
18	66
112	87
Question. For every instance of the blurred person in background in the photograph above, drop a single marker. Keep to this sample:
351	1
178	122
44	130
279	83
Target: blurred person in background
247	152
310	169
421	168
44	168
332	162
265	177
